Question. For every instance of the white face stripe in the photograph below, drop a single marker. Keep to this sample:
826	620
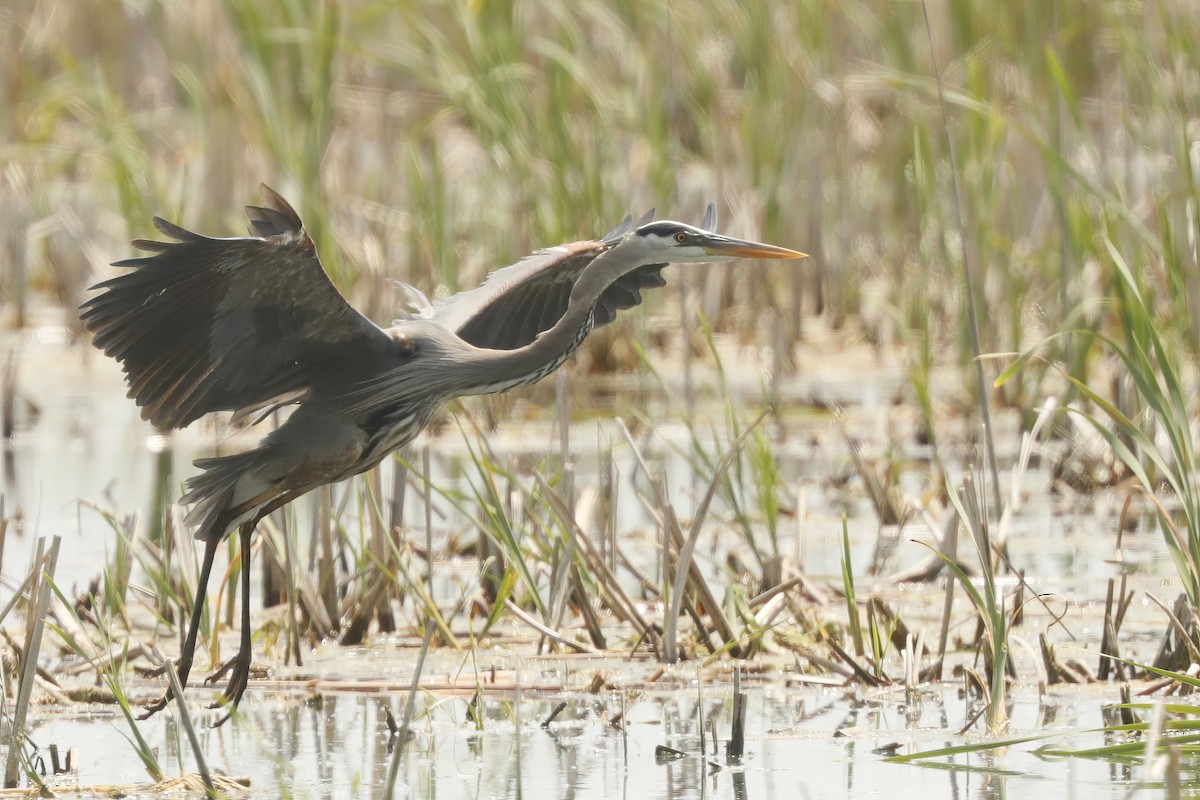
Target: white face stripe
665	247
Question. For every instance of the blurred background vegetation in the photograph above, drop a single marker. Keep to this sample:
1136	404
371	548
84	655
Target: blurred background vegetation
430	142
433	141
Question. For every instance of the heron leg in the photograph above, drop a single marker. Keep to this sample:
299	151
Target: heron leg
239	665
184	666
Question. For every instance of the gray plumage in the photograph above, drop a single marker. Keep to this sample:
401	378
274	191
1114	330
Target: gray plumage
244	324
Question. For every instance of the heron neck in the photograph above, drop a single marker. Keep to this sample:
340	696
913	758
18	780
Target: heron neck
506	369
509	368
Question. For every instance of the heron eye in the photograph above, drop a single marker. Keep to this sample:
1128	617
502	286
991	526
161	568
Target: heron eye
681	237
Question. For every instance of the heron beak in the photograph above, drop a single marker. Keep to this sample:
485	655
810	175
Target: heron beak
726	247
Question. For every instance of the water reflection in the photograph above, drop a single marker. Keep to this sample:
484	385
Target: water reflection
327	743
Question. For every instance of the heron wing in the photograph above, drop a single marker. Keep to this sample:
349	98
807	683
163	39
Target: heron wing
209	324
518	302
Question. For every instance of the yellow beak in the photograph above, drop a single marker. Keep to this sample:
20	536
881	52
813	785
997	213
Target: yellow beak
740	248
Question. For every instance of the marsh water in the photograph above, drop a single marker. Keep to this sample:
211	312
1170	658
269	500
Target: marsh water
336	745
320	730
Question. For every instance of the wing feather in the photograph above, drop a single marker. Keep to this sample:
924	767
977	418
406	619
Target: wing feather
209	324
518	302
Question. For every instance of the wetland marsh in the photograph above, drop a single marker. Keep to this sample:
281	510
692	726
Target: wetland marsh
795	457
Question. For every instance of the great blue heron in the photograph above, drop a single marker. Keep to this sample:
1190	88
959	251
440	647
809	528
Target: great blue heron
247	324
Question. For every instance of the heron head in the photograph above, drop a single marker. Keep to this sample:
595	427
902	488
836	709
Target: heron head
682	243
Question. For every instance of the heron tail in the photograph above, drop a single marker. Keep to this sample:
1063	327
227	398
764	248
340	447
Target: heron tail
230	489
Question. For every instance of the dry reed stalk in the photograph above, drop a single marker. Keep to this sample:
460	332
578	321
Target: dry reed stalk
44	563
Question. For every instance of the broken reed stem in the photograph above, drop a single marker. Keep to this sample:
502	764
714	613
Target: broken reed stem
293	584
44	564
560	573
516	712
608	551
673	585
546	631
554	712
18	594
590	620
624	734
1116	604
664	573
185	720
1107	644
673	534
1049	660
801	516
617	600
737	739
398	754
327	569
1153	737
562	405
950	551
379	551
427	491
912	669
852	620
396	522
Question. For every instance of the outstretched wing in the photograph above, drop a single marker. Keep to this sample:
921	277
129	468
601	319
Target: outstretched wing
209	324
518	302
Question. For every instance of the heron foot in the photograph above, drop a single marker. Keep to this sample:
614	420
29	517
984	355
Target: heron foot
183	668
238	669
150	709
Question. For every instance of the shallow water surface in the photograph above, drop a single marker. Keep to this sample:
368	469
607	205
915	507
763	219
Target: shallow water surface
801	742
